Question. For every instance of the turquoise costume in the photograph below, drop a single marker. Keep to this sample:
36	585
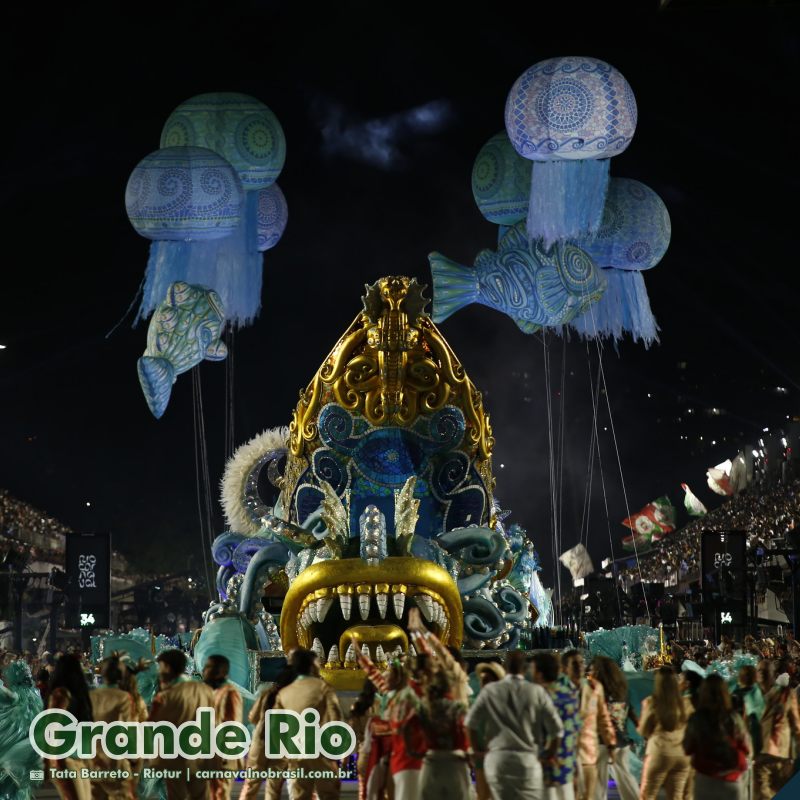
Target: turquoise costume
20	702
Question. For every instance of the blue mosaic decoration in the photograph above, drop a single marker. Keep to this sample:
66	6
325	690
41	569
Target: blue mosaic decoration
535	286
184	194
371	464
570	108
238	127
569	116
273	214
501	182
636	228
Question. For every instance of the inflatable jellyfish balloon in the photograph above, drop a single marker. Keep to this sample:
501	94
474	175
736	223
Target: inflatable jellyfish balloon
188	201
569	116
634	236
248	140
236	126
635	230
501	182
273	214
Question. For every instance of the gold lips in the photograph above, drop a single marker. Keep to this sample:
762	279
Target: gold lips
357	585
388	637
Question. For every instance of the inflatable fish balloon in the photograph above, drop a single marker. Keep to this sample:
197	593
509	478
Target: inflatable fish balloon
184	330
535	286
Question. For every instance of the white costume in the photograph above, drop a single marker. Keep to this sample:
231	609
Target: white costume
515	718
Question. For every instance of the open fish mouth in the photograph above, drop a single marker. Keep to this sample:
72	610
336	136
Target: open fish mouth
339	606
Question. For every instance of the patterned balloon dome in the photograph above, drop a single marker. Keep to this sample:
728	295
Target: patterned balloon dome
570	108
238	127
501	182
273	214
184	194
636	228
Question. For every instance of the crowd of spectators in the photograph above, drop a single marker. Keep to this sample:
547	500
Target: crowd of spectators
767	518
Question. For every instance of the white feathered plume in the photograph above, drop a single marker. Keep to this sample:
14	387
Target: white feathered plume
239	467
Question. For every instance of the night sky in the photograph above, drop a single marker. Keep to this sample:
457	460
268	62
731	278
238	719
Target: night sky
383	117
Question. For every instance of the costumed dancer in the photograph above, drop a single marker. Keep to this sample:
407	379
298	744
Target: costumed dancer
20	702
487	672
374	779
69	692
514	715
111	703
559	772
178	701
449	660
780	724
130	684
227	708
359	718
663	724
445	767
400	712
596	723
615	686
308	690
690	680
257	757
716	739
749	702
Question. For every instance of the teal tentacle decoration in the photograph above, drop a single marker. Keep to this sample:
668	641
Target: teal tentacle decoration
224	574
246	549
232	635
482	621
511	603
223	547
471	583
475	546
272	556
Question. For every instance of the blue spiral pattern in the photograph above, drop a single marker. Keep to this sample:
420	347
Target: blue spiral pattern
327	467
450	474
447	427
570	108
335	425
273	214
184	194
